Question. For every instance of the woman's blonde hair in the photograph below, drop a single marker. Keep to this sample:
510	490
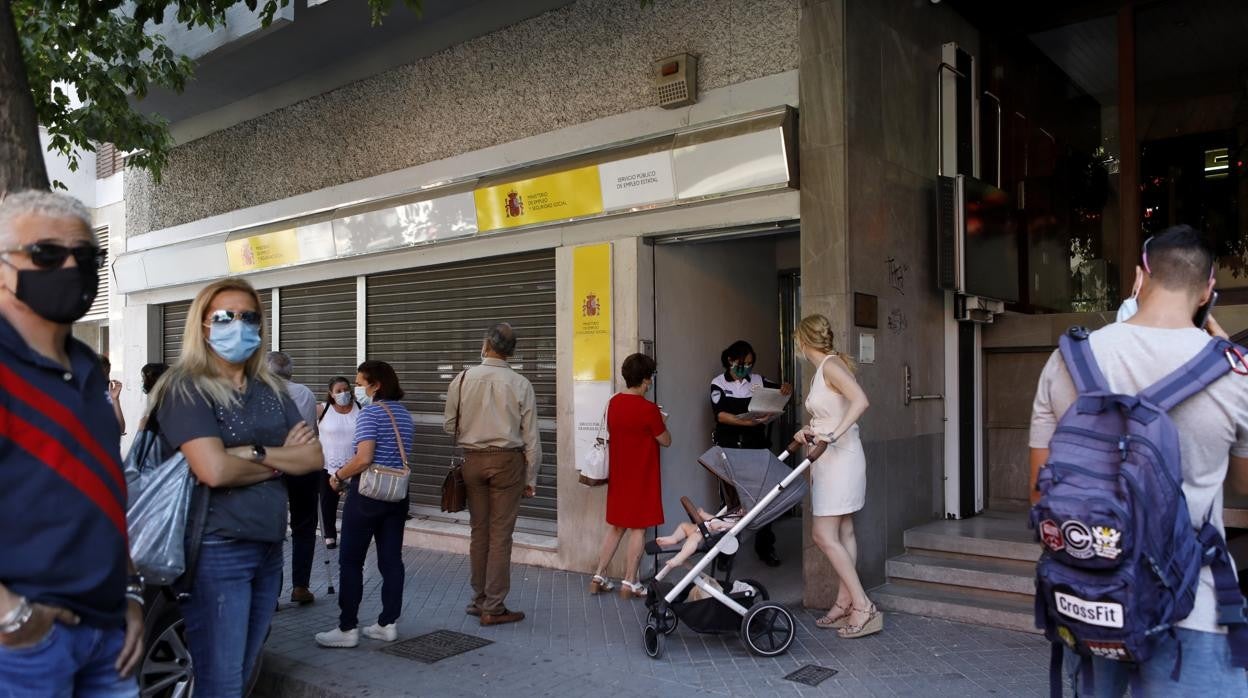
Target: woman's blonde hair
196	366
815	331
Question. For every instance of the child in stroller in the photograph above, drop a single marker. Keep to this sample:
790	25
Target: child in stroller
767	628
689	533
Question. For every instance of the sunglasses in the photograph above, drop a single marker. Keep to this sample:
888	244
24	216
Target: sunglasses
225	317
52	255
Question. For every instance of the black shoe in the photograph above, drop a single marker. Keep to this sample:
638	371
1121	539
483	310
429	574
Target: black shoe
769	558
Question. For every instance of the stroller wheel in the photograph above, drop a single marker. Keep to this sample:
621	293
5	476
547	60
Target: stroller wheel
762	590
654	641
768	629
663	618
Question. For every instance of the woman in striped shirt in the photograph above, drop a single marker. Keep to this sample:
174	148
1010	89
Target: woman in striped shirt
377	434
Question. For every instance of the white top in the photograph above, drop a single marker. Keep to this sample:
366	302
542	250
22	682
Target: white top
338	437
1212	424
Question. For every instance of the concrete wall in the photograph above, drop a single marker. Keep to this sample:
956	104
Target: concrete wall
1015	350
575	64
868	174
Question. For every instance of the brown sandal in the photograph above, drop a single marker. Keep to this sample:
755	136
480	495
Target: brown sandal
830	622
872	625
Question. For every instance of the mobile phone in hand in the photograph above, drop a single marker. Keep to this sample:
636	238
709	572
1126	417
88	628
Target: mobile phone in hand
1202	313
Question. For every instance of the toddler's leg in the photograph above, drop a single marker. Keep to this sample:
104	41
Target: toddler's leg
681	532
687	551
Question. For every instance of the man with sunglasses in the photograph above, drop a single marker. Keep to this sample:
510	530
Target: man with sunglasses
1175	278
71	615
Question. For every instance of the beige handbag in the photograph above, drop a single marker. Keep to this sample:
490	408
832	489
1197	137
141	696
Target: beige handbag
384	483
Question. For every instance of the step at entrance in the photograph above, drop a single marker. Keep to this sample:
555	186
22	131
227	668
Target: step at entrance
979	570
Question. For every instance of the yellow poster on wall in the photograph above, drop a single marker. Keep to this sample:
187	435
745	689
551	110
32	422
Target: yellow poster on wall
591	312
552	197
262	251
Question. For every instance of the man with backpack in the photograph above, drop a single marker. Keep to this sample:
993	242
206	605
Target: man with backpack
1134	430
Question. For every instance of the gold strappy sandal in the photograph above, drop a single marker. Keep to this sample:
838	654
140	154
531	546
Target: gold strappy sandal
872	625
830	622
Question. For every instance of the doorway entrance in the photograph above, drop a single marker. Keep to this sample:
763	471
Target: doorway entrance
710	291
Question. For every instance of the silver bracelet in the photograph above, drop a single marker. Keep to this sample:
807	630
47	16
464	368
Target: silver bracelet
137	598
15	619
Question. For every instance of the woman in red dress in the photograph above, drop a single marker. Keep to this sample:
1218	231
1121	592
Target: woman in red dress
635	429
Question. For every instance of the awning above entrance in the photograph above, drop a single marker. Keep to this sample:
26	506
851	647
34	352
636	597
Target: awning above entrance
741	155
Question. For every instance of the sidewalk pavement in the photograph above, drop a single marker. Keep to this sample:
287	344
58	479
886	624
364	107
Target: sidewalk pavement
575	644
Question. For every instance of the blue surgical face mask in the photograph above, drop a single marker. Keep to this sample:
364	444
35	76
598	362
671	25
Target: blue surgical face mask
741	371
234	342
361	395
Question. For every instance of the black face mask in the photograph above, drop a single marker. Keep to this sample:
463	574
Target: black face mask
58	295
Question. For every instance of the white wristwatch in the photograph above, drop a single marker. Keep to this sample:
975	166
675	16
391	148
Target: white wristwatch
15	619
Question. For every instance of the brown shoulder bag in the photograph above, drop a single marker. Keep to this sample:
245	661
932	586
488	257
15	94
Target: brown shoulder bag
454	491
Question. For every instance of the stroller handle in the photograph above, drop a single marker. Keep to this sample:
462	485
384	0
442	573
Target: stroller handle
811	455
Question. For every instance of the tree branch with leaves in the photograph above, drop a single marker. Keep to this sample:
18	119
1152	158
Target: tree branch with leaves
76	67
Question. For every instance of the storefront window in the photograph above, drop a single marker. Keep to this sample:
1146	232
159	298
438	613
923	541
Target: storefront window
1052	97
1192	119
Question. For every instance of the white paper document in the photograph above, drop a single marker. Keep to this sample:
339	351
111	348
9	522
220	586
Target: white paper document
766	404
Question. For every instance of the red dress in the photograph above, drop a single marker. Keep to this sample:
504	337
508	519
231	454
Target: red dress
634	494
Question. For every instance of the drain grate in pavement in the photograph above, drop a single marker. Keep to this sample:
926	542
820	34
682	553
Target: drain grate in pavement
811	674
436	646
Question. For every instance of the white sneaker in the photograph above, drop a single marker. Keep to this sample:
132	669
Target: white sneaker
385	633
339	638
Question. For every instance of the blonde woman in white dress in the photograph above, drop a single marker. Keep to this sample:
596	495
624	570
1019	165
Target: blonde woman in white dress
839	477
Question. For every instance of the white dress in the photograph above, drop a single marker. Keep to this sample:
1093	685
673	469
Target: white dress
839	478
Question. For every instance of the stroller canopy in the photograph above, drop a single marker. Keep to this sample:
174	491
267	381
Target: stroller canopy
754	473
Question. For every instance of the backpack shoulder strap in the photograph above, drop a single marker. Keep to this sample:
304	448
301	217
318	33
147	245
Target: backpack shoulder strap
1077	353
1231	610
1210	363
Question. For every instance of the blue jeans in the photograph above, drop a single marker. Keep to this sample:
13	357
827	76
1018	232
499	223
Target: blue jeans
229	610
1206	670
75	662
363	521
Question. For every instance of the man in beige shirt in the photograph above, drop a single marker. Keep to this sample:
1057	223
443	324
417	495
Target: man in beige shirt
493	411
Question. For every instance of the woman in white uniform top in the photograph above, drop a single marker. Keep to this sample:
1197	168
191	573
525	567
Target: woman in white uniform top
838	479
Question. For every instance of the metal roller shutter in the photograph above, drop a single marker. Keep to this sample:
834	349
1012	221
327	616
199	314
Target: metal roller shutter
318	331
429	323
99	308
173	324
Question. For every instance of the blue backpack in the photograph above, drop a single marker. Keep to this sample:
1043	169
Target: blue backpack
1122	559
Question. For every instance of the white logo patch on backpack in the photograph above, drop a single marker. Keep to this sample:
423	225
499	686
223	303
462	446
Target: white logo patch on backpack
1102	613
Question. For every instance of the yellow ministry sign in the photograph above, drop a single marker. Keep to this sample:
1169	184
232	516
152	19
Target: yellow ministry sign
552	197
591	313
262	251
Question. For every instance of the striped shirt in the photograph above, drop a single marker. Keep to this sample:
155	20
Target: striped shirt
63	501
374	425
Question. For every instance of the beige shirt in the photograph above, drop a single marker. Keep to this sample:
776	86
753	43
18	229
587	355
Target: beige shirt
1212	424
498	410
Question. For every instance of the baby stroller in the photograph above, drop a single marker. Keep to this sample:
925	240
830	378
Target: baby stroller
767	489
